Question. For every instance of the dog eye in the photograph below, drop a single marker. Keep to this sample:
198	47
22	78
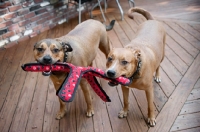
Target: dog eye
40	49
55	50
124	62
109	59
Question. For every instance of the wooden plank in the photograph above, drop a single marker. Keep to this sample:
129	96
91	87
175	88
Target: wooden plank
175	60
15	86
2	53
185	32
166	84
159	97
22	112
190	107
50	124
197	85
171	71
186	121
6	62
119	31
173	45
132	23
172	108
191	16
36	116
13	63
195	94
191	30
196	129
180	40
126	28
114	39
196	30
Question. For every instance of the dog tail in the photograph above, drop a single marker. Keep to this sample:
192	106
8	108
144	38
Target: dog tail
145	13
110	26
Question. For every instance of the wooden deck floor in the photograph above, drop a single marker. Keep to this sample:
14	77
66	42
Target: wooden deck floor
28	101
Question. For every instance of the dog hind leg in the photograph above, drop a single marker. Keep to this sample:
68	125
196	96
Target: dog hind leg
157	75
150	98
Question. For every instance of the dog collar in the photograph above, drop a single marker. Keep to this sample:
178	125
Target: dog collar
65	56
136	73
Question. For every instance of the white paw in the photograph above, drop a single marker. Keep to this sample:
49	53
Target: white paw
157	79
90	113
122	114
151	122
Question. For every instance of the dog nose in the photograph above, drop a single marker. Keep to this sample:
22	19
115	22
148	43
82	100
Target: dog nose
111	73
47	59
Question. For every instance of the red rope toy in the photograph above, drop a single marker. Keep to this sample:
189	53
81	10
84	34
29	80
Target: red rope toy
67	90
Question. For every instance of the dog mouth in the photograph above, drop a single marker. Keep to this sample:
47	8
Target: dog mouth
46	73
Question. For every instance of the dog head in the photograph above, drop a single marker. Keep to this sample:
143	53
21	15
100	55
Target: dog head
50	51
122	62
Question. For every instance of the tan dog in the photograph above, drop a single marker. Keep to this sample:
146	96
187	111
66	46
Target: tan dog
139	60
78	47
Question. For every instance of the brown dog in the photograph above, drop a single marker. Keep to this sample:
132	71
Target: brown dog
78	47
139	60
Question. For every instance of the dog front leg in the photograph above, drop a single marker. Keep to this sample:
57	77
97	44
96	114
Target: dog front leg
86	92
63	109
61	113
150	98
123	113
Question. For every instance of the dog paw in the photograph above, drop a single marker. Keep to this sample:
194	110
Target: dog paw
90	113
60	114
157	79
151	122
123	114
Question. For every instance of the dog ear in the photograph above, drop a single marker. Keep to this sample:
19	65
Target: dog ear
137	54
67	47
34	47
